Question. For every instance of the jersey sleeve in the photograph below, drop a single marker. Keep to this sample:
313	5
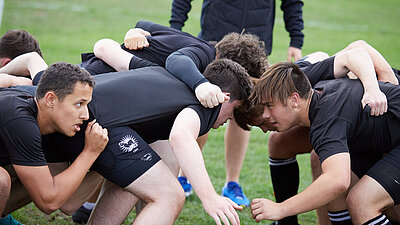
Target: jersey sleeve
94	65
322	70
329	137
23	142
179	13
184	68
137	62
293	17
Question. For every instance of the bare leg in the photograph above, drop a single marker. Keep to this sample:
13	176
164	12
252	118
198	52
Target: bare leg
236	142
5	188
367	199
157	187
19	197
163	149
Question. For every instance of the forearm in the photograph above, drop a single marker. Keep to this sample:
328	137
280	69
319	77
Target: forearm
359	62
192	164
52	196
322	191
111	53
183	68
28	64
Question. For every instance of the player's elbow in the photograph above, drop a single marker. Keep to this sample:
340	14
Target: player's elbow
100	47
48	204
340	184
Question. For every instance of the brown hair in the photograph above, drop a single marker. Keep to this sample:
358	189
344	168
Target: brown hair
17	42
279	82
245	49
61	78
246	114
231	77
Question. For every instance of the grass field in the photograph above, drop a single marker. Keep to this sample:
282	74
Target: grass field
65	28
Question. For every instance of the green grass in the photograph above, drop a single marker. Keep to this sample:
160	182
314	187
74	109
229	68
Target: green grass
65	28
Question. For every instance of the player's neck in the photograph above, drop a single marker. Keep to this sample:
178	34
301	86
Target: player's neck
304	120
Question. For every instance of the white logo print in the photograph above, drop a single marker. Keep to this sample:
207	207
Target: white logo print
128	144
147	157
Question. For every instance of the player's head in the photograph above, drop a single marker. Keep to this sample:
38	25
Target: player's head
245	49
17	42
279	82
232	78
284	91
64	91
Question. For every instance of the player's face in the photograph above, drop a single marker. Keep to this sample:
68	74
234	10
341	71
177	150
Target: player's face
263	124
72	111
281	117
226	112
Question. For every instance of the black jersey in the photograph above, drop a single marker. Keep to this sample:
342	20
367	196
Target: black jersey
20	138
146	99
340	124
162	42
322	70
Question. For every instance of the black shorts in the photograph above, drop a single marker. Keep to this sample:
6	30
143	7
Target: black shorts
387	173
126	157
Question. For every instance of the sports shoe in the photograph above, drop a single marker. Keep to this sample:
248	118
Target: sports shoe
233	191
81	215
8	220
187	187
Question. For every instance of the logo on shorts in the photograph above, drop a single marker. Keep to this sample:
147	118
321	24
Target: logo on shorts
128	144
147	157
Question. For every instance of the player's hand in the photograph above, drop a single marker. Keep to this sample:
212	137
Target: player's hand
96	137
376	100
294	53
136	39
264	209
222	208
209	95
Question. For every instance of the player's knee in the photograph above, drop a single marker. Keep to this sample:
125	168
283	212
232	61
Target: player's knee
275	144
5	181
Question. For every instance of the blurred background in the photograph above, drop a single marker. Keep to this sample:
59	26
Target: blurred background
66	28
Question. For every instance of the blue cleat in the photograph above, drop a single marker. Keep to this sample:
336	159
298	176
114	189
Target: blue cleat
233	191
187	187
8	220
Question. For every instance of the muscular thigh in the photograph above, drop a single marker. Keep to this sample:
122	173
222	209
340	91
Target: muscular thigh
157	182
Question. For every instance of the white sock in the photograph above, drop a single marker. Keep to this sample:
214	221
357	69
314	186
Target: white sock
89	205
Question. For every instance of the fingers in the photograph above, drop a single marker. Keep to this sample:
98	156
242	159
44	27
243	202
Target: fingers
377	103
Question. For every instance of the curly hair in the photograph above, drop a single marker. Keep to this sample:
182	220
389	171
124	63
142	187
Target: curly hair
245	49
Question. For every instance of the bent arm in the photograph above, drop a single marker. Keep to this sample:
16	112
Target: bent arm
360	64
50	193
28	64
183	68
186	150
334	180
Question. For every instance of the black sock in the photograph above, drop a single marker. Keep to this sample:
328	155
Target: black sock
340	217
285	181
379	220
